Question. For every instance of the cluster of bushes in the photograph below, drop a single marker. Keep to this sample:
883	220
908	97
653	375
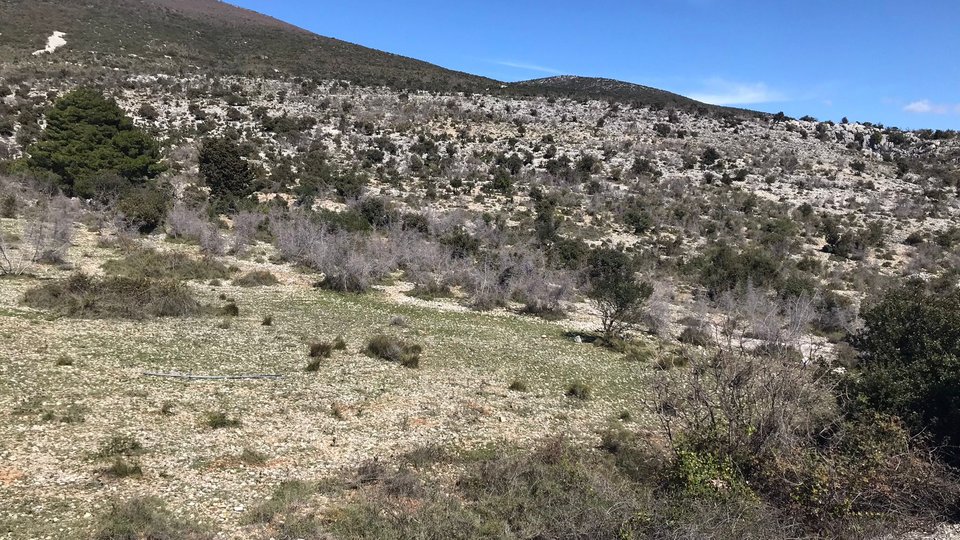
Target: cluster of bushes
354	262
775	431
557	490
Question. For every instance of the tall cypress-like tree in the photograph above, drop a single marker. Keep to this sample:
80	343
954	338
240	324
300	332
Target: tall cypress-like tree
89	142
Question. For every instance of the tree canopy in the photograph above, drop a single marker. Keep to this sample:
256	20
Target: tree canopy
88	138
226	173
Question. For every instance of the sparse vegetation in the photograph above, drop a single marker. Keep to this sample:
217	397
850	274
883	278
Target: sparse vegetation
759	369
394	350
579	390
518	386
220	420
145	517
152	264
121	468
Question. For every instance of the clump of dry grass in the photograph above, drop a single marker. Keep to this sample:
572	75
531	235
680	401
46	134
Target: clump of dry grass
579	390
395	350
82	296
256	278
144	517
220	420
121	468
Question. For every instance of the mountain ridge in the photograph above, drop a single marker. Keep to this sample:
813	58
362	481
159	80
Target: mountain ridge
221	38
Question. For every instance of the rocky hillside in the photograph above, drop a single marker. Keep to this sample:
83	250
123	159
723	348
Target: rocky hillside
258	283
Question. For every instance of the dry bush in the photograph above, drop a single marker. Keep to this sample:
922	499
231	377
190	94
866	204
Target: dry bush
349	262
778	323
191	224
144	517
256	278
394	350
658	311
540	289
145	263
430	266
245	227
295	234
46	235
487	287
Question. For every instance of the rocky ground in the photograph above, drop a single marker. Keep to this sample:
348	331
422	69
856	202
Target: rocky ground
69	386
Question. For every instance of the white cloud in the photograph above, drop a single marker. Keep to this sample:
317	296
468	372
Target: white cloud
925	106
723	92
528	67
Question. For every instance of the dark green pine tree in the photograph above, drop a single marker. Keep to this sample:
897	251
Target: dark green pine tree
89	143
226	173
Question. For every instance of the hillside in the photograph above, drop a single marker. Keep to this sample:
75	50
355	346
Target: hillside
257	283
209	36
611	90
215	37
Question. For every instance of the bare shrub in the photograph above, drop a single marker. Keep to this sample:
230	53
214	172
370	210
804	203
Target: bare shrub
349	262
658	314
295	234
50	233
191	224
46	236
772	427
539	289
488	290
245	227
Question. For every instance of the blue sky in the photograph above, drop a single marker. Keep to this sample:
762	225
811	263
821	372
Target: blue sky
893	62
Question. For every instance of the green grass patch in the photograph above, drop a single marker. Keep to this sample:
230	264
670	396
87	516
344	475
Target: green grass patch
153	264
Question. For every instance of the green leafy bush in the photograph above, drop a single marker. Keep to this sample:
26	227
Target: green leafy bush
144	206
615	291
910	360
225	171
